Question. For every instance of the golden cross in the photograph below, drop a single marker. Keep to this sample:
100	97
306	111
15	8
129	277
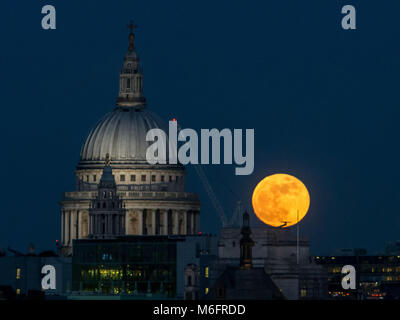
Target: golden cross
132	26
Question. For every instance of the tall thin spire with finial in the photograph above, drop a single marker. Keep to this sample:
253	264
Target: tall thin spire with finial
131	78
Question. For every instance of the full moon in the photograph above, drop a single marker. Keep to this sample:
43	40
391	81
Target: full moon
280	200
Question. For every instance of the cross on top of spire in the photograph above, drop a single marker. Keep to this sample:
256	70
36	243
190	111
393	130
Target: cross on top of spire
131	26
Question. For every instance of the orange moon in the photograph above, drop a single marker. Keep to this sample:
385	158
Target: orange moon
277	199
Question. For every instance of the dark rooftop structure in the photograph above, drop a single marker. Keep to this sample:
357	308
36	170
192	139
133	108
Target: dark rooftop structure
245	281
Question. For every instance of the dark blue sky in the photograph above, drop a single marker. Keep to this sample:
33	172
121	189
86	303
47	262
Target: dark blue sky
324	103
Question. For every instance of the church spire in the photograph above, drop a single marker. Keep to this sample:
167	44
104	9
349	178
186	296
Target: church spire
131	77
246	244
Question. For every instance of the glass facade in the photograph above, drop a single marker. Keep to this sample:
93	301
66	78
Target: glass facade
138	265
377	277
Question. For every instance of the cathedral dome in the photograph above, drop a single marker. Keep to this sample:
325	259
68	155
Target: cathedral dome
121	134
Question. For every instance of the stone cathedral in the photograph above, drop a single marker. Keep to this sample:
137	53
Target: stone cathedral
117	191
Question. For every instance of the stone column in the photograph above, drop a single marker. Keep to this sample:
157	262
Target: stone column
73	225
84	231
186	221
164	221
144	221
98	218
90	222
139	216
62	227
118	227
191	212
153	221
68	223
182	215
108	224
78	224
194	215
123	223
94	225
175	220
98	223
128	227
197	217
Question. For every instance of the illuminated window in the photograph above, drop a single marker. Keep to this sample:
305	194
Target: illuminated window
206	291
18	291
18	273
303	292
206	272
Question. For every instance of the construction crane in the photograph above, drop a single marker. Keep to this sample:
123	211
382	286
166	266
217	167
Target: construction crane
234	221
210	192
237	214
16	252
